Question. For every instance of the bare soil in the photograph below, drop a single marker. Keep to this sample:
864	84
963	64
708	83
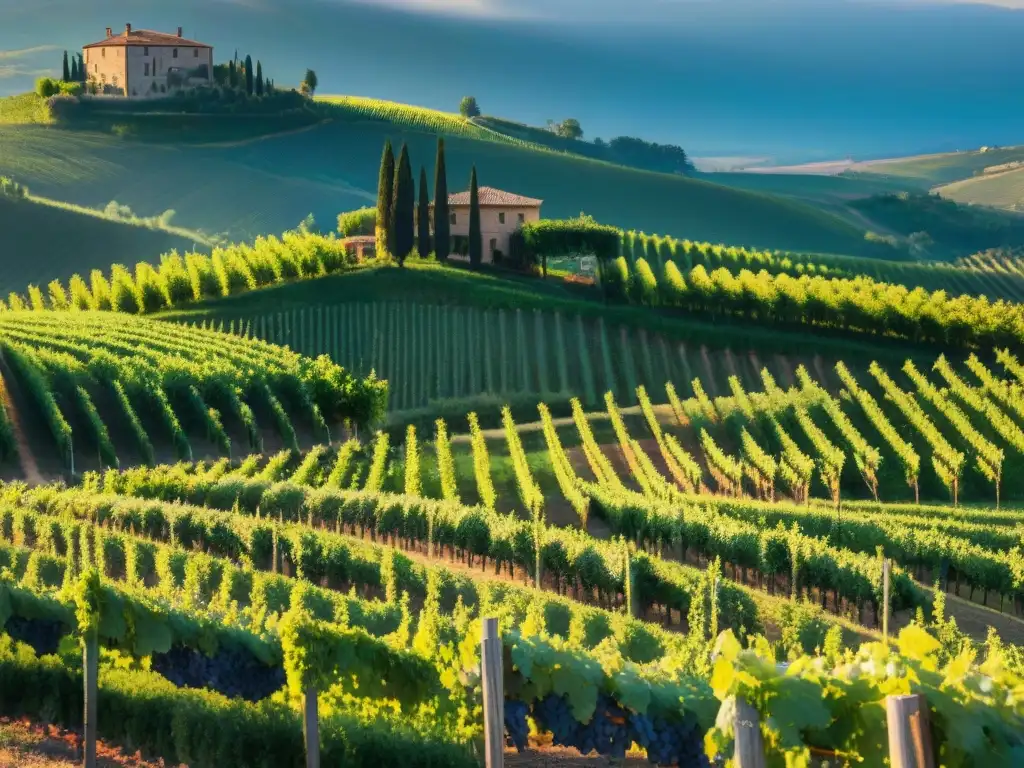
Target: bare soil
25	744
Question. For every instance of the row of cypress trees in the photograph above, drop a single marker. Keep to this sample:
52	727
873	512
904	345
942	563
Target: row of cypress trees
403	224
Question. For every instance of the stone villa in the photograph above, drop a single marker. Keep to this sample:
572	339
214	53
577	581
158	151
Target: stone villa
501	213
141	64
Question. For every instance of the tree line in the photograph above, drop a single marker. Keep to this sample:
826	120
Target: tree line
403	224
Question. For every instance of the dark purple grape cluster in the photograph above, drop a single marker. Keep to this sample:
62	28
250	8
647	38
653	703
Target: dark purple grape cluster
42	634
234	672
612	730
516	730
669	742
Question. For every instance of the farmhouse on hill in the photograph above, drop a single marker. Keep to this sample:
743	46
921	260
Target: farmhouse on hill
501	213
142	64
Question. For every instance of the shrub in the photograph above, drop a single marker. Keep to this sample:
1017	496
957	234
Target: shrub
149	288
123	297
617	278
673	286
201	276
81	296
175	280
47	87
58	296
643	287
100	291
360	222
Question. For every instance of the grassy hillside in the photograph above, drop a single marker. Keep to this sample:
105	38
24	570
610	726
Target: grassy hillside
44	240
999	190
931	170
267	185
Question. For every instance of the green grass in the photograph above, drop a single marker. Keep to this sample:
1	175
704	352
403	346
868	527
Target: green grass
928	171
46	240
26	109
270	185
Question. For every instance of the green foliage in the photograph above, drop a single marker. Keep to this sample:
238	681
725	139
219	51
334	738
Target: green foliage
385	200
423	245
468	107
359	222
442	224
401	239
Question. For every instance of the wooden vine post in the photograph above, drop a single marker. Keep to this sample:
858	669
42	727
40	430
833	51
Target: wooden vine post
749	742
311	728
886	567
90	668
910	741
494	695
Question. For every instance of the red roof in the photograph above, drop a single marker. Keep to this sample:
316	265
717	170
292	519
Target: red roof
147	37
495	197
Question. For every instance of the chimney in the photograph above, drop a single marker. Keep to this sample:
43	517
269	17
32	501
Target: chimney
127	29
109	32
179	31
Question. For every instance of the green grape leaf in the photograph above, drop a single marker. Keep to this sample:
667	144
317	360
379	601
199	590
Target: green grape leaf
915	643
796	705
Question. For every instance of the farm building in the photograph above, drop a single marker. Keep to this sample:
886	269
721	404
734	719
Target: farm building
501	213
142	64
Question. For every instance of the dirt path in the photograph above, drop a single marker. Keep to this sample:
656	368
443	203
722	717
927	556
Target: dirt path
258	139
29	465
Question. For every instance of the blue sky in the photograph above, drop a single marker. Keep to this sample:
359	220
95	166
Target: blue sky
796	79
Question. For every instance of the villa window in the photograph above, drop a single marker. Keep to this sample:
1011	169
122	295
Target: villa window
522	217
145	51
452	217
175	53
195	53
501	217
103	52
146	73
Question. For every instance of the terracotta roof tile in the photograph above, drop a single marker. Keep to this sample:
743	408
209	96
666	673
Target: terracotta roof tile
491	196
147	37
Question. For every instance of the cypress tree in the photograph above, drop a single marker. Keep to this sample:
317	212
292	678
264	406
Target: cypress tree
403	209
442	227
259	78
75	78
423	217
385	191
248	75
476	243
66	74
232	74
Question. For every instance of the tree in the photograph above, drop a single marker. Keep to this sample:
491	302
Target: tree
570	129
232	74
385	191
248	75
476	243
66	72
259	78
403	209
442	227
468	107
75	76
81	69
310	82
423	217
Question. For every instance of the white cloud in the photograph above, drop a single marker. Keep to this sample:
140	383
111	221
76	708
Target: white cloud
9	71
485	9
22	53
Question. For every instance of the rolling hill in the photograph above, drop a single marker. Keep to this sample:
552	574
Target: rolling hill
43	240
252	187
998	190
927	171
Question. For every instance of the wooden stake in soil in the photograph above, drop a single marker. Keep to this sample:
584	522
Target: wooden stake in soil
494	694
91	663
910	743
885	599
749	742
311	728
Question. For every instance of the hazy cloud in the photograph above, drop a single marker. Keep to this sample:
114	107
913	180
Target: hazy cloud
8	71
22	53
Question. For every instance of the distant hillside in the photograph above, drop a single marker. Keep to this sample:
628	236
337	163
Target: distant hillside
43	240
928	171
999	190
269	184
